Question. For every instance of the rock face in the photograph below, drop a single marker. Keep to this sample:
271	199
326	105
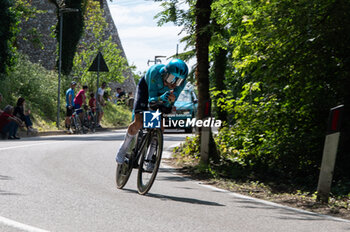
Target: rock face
45	51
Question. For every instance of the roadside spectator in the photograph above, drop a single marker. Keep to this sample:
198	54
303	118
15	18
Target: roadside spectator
9	123
120	96
100	103
92	102
70	105
22	113
130	100
79	101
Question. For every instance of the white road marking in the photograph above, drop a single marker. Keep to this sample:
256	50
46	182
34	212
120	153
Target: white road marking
28	145
20	226
15	224
237	195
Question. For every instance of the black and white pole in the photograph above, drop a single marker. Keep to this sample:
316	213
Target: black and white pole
329	153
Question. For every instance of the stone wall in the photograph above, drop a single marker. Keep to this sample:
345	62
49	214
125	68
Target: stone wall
44	23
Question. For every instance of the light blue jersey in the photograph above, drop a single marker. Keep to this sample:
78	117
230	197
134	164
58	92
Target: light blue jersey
156	86
70	91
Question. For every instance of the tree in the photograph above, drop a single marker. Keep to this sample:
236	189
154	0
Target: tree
8	22
73	24
96	28
203	35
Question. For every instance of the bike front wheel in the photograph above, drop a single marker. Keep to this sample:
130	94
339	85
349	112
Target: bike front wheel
123	172
151	155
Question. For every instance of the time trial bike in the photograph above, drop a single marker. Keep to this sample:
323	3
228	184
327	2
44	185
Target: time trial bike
145	156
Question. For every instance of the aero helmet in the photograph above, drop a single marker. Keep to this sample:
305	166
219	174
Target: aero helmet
177	71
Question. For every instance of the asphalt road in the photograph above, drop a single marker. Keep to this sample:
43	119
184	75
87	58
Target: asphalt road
67	183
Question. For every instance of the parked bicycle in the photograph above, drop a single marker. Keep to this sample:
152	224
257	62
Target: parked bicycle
89	119
146	156
75	122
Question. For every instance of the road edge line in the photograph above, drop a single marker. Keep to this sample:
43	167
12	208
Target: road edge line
265	202
21	226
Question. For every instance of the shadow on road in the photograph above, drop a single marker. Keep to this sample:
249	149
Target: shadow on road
5	193
5	177
178	199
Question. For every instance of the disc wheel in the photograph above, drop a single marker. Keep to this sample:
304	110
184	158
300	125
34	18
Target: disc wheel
145	178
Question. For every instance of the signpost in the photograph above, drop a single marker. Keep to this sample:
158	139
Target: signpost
98	65
329	153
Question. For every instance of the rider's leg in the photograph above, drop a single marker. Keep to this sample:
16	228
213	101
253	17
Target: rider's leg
133	128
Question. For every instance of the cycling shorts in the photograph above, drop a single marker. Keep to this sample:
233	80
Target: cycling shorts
141	98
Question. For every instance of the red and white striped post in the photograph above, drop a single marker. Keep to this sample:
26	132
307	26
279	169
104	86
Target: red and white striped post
329	153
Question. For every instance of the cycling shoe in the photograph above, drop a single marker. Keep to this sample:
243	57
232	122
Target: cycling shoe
120	155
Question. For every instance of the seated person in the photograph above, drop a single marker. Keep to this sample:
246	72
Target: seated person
23	114
9	123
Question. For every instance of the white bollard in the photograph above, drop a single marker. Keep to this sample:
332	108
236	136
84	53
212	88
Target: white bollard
329	154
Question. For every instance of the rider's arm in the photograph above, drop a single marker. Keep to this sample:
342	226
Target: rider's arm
151	80
70	100
179	89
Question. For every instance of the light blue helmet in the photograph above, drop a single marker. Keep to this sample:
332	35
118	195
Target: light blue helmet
177	71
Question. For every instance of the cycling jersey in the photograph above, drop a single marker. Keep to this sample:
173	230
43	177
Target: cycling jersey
156	86
150	87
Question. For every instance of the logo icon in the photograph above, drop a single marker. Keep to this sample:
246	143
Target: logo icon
151	119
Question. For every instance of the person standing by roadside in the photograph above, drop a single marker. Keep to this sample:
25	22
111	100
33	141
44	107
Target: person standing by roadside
70	105
79	101
100	103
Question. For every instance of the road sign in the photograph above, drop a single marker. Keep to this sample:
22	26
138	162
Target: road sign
99	64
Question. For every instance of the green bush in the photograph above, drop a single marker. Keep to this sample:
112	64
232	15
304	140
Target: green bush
39	87
116	115
33	82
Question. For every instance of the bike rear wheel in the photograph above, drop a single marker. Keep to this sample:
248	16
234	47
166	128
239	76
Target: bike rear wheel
146	178
123	172
76	125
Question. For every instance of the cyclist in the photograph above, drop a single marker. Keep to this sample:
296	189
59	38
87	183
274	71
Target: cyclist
162	83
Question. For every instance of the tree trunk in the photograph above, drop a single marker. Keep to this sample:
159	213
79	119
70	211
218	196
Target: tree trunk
203	35
220	61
